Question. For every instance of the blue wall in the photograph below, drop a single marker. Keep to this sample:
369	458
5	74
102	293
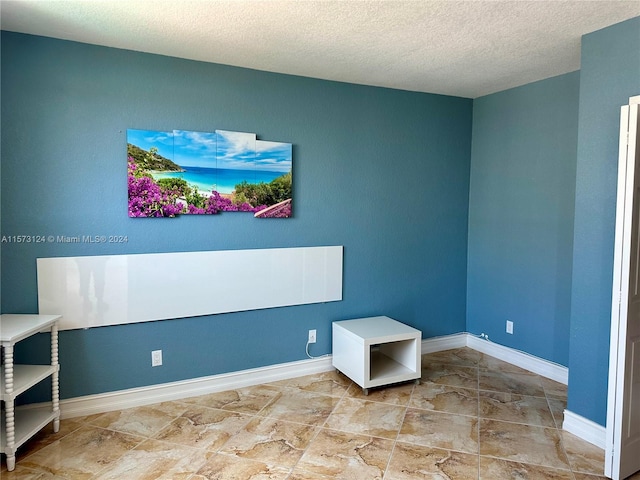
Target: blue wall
610	74
521	215
383	172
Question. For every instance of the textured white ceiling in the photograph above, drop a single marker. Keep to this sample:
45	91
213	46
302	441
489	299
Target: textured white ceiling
463	48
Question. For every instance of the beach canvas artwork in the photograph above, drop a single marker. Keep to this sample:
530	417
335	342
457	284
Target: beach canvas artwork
202	173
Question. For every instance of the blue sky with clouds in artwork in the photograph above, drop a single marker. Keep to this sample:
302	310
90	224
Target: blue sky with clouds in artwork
222	149
146	139
194	149
273	156
236	150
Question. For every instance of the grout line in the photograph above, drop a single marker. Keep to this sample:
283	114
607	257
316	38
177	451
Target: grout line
282	389
320	428
404	415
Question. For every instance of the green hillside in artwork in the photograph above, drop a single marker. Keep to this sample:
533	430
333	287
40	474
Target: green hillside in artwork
151	160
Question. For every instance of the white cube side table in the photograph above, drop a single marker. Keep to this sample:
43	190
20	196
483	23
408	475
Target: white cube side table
376	351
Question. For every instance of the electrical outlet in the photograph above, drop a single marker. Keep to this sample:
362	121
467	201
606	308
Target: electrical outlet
312	336
156	358
510	327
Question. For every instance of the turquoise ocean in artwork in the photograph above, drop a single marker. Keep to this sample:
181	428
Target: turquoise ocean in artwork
223	180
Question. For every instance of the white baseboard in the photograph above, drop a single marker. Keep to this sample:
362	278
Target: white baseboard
520	359
534	364
135	397
447	342
584	428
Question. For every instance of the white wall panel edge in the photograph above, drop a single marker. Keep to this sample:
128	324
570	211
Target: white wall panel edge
92	291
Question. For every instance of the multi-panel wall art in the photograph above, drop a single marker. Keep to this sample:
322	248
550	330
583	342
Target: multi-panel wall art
184	172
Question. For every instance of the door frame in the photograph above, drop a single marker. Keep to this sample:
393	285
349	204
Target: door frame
619	296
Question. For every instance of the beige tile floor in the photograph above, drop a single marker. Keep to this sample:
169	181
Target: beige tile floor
471	417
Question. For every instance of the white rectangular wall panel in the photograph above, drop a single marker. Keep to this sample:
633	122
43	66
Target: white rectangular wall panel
95	291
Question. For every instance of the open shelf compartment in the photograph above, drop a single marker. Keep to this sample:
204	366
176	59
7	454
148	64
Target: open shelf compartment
25	377
393	362
28	421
